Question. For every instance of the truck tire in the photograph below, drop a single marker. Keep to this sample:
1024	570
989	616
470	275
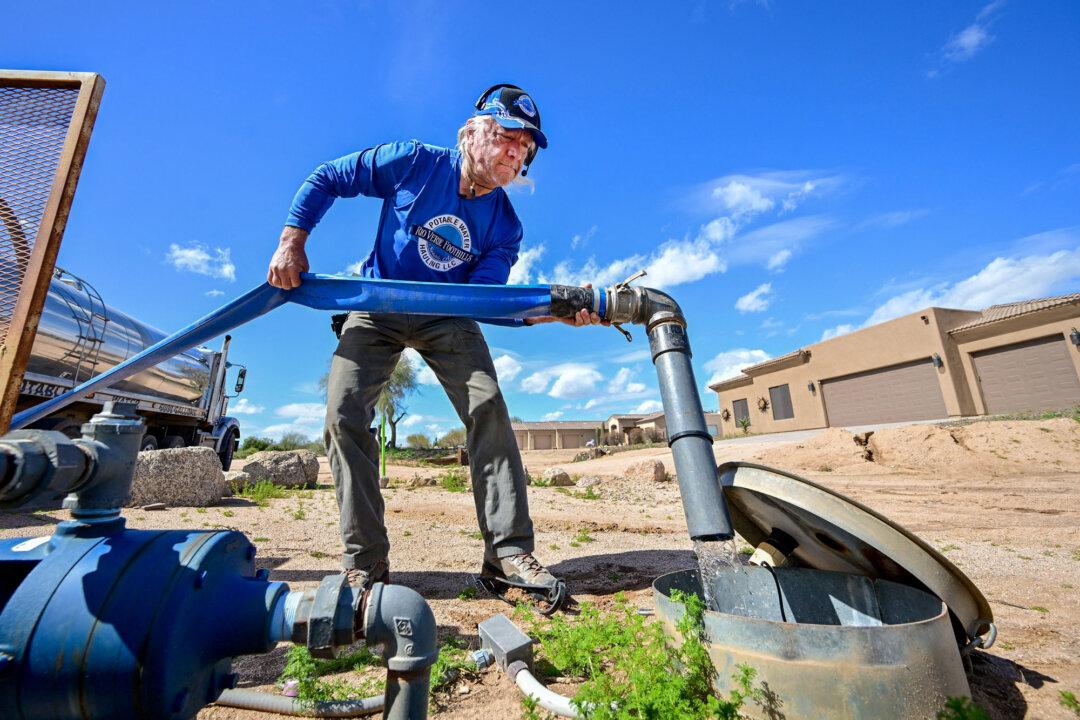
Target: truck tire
228	445
69	426
173	441
149	442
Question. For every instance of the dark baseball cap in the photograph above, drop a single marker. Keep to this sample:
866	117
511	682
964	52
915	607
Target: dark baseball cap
512	108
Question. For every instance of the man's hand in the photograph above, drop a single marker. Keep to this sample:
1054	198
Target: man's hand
289	259
583	317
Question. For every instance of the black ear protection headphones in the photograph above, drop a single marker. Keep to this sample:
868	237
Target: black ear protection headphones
480	106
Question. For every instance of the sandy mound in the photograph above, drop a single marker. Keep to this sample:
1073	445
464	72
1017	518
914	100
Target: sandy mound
834	450
981	449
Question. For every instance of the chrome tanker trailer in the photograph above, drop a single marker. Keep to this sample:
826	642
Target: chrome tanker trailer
182	400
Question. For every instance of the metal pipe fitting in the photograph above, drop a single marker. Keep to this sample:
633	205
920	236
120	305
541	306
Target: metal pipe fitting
398	621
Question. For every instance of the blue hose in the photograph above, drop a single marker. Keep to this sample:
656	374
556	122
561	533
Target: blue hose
487	303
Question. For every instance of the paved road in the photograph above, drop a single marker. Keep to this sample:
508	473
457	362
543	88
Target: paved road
800	435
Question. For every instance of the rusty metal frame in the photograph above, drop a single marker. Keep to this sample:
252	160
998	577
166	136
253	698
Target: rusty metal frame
15	349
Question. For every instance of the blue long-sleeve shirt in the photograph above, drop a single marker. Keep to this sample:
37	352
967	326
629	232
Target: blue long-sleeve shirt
427	231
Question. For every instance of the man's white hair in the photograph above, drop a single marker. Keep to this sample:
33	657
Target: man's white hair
474	128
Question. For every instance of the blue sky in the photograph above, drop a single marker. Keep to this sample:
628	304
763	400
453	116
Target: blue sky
787	170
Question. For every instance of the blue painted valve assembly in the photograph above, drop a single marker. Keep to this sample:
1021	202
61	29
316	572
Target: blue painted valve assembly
99	621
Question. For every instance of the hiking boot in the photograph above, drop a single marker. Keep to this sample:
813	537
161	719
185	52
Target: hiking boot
522	570
362	579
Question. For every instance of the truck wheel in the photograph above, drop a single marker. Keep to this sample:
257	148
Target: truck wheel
149	442
227	448
173	441
69	426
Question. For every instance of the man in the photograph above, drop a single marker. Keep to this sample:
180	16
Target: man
445	218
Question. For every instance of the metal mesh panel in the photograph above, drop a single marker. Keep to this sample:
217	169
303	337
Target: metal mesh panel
33	126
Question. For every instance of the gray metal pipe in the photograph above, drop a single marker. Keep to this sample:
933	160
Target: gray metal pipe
399	624
707	516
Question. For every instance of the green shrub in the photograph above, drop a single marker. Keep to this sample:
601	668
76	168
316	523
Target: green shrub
418	441
306	670
454	480
1069	702
629	668
451	664
262	491
962	708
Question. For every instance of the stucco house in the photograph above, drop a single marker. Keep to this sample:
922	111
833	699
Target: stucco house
931	364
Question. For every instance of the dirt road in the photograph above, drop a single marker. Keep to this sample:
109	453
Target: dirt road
1001	500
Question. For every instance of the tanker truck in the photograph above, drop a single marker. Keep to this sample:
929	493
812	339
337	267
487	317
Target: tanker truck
182	400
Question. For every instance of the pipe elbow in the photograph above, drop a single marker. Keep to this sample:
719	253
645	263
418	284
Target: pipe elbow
660	307
399	621
641	306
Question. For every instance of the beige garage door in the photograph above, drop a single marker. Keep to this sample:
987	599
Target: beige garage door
571	439
900	392
542	440
1032	375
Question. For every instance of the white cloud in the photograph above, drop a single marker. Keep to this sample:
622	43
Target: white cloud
676	262
411	420
196	258
632	356
304	418
1002	280
649	406
567	380
729	363
621	384
243	406
763	244
548	417
757	300
837	331
778	260
580	240
892	219
746	196
354	268
303	412
214	293
424	374
507	368
967	43
521	273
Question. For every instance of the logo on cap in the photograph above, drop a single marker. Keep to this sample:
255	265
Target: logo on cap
526	104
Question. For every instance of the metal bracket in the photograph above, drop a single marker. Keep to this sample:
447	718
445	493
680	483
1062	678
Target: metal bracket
622	286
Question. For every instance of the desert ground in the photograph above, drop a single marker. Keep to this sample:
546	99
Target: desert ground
1000	499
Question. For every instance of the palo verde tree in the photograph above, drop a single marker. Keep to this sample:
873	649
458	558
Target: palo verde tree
391	402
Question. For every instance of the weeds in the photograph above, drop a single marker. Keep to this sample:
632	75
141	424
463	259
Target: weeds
468	593
311	688
454	480
962	708
1069	702
262	492
949	548
589	494
299	513
451	664
630	670
1040	609
200	510
1006	645
317	554
260	539
583	536
825	468
227	513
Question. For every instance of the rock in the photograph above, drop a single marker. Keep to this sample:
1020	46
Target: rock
155	506
647	470
384	482
288	468
235	480
557	477
418	480
180	477
588	481
590	454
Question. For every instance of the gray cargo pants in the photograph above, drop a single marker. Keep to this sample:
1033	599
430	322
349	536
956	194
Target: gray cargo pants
454	348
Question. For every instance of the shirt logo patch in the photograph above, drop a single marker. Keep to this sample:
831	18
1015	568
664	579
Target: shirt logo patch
444	242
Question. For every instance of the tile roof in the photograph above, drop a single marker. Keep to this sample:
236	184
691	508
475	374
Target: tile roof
997	313
559	425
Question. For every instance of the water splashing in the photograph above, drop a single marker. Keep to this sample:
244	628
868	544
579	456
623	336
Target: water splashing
715	558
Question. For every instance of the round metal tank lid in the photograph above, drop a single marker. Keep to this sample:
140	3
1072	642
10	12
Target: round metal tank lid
836	533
